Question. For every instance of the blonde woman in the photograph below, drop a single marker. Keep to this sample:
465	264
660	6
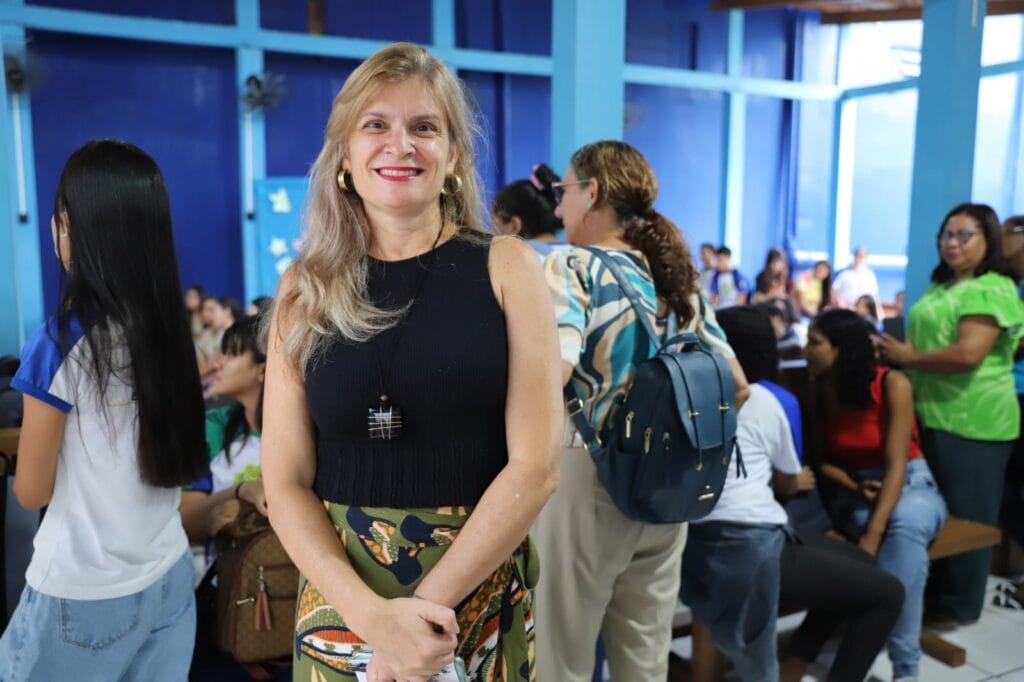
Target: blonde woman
412	391
603	572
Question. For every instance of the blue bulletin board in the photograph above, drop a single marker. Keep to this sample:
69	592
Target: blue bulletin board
278	223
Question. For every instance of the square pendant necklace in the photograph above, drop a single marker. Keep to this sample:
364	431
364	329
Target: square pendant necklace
384	422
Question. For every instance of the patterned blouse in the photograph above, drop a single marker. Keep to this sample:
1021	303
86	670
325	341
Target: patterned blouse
599	332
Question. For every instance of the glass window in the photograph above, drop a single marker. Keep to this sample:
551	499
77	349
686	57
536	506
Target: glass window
819	51
880	53
1001	41
997	149
883	167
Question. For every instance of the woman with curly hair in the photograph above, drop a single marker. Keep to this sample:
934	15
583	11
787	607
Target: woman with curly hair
877	486
603	572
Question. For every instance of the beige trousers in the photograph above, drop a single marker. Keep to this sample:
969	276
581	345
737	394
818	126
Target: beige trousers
601	572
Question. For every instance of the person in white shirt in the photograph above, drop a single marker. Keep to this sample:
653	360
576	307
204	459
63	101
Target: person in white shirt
113	425
730	574
856	281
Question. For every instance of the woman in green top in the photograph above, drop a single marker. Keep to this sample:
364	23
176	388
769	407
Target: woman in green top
962	336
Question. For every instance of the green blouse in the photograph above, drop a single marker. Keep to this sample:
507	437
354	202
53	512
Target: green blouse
980	403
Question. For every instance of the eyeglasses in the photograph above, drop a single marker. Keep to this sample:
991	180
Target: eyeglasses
961	236
559	188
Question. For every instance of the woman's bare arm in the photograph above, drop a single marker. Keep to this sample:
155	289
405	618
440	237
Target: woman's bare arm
976	334
899	402
534	427
399	629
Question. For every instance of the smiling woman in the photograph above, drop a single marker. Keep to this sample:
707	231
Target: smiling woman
411	390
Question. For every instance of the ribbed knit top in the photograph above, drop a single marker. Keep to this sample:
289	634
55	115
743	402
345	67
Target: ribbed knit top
448	375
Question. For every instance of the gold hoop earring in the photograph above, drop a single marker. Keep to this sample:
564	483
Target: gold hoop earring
343	181
458	185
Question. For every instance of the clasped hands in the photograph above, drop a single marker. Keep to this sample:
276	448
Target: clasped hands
412	639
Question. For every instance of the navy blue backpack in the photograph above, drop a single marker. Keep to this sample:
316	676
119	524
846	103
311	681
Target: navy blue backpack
664	451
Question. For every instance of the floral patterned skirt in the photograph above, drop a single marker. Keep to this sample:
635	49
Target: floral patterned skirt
392	550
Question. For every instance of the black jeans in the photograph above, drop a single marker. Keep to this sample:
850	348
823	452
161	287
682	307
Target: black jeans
838	582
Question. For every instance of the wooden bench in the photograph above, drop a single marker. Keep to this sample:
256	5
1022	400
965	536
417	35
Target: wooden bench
958	536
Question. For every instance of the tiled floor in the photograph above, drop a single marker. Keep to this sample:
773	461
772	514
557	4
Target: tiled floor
995	650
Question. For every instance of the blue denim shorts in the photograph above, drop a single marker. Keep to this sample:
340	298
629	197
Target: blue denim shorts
148	635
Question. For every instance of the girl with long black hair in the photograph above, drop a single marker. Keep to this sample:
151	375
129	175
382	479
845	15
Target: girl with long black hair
113	426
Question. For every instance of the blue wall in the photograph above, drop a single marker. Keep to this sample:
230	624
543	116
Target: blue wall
378	20
295	124
181	105
176	103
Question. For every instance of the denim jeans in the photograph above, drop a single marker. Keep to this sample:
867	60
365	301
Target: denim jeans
148	635
915	521
730	581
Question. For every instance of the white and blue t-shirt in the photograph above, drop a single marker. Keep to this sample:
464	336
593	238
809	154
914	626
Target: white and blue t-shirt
764	437
106	533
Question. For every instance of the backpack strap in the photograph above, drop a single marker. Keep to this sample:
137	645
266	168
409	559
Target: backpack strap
573	402
632	295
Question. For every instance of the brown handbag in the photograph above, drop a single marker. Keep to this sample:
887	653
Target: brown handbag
257	585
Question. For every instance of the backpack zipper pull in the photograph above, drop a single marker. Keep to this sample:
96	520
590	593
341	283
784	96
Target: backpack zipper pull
629	424
262	604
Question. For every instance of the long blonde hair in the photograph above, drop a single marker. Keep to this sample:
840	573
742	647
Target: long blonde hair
328	296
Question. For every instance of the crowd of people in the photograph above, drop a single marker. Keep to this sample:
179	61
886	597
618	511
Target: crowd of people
397	411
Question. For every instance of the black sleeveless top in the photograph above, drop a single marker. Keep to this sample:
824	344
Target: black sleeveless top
448	375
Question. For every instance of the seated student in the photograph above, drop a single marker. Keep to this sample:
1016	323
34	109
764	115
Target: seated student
877	486
730	573
193	303
787	339
866	307
773	281
811	566
232	438
218	315
812	291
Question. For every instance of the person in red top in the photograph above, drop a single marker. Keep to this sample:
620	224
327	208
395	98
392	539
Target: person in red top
876	485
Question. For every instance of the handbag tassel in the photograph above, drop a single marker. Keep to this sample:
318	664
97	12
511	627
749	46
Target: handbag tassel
263	621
